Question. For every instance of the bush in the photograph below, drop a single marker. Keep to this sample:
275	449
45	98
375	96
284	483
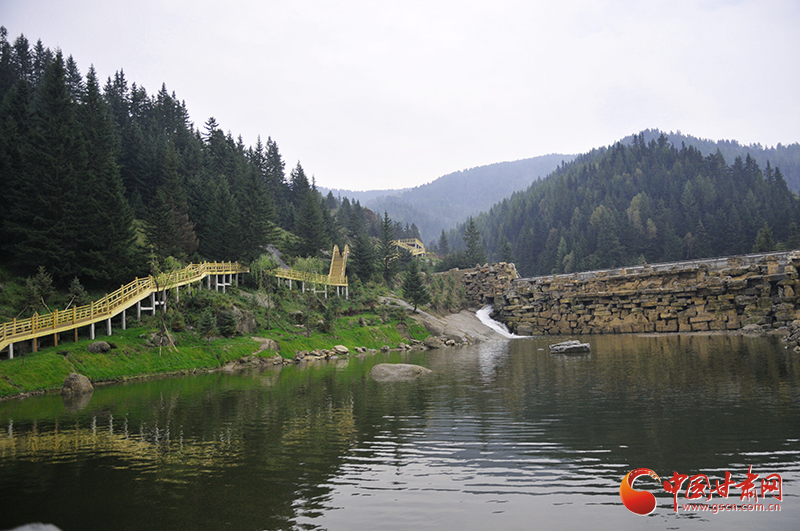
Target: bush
177	323
207	326
226	322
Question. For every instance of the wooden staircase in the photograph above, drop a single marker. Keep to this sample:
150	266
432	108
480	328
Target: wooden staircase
111	305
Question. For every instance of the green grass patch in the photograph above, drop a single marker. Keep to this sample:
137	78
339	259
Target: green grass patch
347	332
47	368
131	357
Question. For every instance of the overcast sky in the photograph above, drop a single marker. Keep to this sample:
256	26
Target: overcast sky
390	94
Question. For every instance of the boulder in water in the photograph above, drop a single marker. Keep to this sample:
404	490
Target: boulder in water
570	347
76	384
397	372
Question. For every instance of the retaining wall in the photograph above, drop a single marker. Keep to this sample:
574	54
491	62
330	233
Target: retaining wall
719	294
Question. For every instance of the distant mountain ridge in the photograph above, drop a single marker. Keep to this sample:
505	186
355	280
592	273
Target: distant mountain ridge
785	157
640	201
450	199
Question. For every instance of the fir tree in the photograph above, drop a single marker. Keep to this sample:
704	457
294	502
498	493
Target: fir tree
256	216
106	235
309	226
444	246
362	261
414	288
475	254
506	251
764	242
387	250
14	134
41	212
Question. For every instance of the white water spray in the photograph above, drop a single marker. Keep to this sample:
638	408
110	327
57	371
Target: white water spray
500	328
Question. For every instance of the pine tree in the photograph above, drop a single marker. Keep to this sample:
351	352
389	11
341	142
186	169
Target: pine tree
444	246
414	288
207	326
309	226
256	216
475	254
764	242
41	210
506	251
362	260
793	239
219	224
77	88
7	77
387	250
14	134
106	234
298	186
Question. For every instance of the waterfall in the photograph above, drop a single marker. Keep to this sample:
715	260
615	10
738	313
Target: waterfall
500	328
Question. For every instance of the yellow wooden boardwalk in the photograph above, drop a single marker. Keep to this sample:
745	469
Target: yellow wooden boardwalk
413	245
112	304
336	276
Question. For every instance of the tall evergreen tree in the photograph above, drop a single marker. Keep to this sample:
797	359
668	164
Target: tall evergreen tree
387	251
106	236
309	226
298	186
764	242
14	134
170	231
363	257
256	215
444	246
475	253
53	166
414	288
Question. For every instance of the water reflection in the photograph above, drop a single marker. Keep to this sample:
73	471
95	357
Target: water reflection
503	434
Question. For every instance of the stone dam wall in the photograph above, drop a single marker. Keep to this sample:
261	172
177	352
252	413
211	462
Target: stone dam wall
483	285
718	294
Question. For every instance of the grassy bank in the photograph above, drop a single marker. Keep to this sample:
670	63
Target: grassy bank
204	324
131	356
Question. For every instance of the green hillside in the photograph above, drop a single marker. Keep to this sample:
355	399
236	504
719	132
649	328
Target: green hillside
645	201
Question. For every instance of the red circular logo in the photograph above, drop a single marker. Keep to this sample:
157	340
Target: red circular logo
637	501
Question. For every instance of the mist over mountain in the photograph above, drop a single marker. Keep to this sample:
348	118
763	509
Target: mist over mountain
450	199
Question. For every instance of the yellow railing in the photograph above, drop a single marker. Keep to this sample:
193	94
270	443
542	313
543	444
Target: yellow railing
314	278
111	304
416	247
335	277
339	264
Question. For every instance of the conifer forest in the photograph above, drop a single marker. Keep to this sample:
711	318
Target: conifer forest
102	178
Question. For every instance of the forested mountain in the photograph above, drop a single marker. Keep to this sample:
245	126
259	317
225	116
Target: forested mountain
100	183
646	201
787	158
450	199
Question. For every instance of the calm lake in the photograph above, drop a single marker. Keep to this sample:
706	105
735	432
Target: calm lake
503	435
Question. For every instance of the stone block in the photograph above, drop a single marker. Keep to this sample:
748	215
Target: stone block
524	329
717	325
670	325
